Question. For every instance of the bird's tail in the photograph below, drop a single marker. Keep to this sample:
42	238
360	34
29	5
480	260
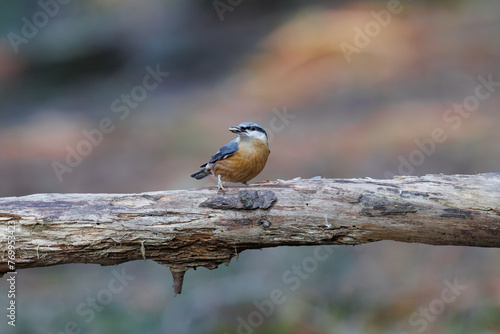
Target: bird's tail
200	174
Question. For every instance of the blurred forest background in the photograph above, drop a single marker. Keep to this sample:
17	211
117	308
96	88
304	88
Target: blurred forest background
75	70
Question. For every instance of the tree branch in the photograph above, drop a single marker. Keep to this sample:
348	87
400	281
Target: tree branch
185	229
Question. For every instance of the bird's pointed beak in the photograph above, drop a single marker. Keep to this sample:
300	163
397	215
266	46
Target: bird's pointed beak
235	129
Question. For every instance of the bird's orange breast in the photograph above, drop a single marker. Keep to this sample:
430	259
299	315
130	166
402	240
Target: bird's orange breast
245	164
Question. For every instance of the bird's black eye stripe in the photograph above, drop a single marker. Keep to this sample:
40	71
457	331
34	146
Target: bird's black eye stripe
252	128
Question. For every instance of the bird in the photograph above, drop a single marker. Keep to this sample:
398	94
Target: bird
240	160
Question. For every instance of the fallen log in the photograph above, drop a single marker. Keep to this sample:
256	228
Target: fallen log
184	229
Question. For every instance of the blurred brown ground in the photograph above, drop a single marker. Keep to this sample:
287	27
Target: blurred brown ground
350	119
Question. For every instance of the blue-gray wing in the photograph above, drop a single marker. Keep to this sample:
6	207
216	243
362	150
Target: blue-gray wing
224	152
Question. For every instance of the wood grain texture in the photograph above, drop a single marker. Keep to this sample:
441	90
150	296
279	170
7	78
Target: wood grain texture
185	229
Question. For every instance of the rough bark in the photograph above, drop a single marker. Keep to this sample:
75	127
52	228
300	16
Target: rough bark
185	229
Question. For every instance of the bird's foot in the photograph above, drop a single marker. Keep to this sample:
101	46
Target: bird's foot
220	185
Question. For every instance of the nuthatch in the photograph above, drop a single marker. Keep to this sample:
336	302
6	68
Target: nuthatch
240	160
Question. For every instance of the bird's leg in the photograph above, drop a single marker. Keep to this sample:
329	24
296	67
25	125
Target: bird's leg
220	184
245	183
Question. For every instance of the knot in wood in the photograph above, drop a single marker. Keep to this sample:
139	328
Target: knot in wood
264	223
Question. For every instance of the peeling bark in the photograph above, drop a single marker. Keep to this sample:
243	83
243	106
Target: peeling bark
184	229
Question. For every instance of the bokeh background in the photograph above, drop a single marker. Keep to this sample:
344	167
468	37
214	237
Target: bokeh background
65	66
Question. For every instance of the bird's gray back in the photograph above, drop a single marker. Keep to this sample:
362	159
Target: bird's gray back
225	151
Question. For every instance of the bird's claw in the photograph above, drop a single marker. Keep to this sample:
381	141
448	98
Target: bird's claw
220	185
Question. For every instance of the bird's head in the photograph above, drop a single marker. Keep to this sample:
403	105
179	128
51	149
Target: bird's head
250	130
